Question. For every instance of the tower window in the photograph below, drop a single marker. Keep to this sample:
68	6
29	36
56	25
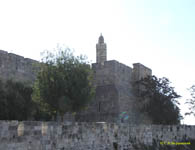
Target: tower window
99	106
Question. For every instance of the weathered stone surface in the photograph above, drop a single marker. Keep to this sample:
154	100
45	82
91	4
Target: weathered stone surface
16	67
101	52
113	82
93	136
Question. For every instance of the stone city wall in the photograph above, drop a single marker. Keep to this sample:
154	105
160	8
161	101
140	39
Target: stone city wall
140	71
112	72
16	67
15	135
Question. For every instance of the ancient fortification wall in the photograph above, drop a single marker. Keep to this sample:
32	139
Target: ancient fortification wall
16	135
16	67
114	95
113	82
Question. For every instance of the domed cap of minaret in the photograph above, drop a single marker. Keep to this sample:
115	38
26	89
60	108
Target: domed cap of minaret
101	39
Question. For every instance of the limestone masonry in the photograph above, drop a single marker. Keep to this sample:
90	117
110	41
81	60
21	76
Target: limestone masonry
113	82
85	131
16	67
16	135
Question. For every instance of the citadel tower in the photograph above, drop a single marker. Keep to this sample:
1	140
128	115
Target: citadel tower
101	51
113	86
112	80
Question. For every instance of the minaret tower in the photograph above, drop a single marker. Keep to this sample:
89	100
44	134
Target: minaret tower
101	52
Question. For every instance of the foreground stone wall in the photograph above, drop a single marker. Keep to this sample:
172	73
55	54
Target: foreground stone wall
16	135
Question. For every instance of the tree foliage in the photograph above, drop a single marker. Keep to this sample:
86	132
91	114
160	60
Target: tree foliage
15	101
3	102
64	83
191	101
158	100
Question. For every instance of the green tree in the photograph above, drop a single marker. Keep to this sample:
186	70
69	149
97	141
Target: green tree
15	101
191	101
64	83
158	100
3	102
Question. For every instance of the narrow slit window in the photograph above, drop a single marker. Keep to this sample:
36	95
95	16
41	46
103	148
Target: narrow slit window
99	106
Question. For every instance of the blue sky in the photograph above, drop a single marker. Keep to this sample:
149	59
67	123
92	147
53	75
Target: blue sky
158	34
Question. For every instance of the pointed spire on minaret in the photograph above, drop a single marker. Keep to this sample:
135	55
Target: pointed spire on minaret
101	52
101	39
